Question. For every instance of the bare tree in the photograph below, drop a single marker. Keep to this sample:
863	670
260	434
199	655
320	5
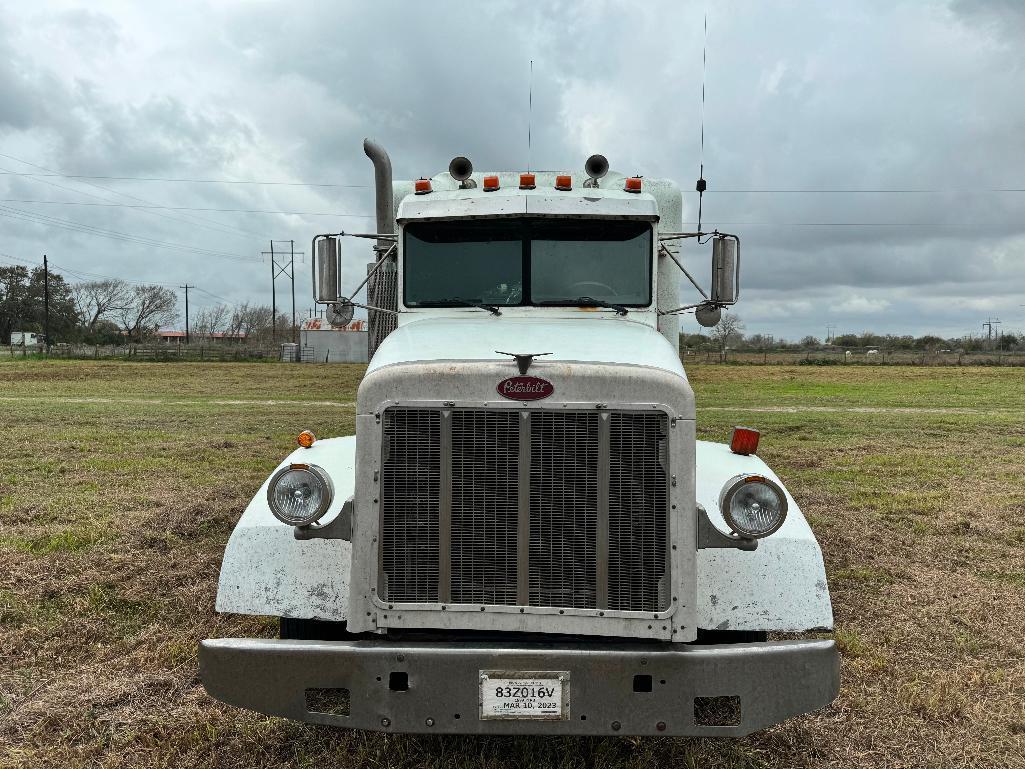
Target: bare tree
211	320
727	331
150	308
98	300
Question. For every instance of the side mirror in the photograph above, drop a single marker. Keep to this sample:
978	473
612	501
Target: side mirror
725	270
327	286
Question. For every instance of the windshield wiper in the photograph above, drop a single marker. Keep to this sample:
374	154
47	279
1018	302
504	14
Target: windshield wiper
588	301
470	303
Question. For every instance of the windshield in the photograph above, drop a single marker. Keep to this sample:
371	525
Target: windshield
513	262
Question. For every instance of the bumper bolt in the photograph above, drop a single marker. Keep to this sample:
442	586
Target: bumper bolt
385	722
616	726
661	726
429	722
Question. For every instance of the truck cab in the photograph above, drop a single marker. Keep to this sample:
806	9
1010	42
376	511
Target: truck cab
524	535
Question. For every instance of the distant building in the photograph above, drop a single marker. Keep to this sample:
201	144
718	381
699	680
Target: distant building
174	336
26	339
323	343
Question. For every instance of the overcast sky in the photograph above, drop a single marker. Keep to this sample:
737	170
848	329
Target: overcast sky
819	119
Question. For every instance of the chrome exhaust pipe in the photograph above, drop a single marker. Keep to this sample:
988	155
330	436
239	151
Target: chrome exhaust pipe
382	185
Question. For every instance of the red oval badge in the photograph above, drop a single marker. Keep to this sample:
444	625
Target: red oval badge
525	388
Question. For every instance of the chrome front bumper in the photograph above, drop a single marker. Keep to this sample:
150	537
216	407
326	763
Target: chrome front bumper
773	681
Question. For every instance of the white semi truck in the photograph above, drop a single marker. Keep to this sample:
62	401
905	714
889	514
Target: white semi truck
524	535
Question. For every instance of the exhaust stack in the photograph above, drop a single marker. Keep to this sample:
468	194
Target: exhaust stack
382	289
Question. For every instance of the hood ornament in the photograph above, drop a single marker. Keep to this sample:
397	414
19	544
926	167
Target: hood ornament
523	359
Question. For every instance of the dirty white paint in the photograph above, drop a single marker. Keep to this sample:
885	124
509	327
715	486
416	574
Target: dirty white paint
595	338
779	586
267	571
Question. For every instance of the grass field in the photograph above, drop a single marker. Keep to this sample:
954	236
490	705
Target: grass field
120	482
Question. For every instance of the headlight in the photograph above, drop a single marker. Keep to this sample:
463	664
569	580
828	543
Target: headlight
753	506
299	494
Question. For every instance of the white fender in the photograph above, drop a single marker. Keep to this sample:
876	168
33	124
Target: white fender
781	585
267	571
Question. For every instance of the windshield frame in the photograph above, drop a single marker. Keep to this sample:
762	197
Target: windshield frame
527	227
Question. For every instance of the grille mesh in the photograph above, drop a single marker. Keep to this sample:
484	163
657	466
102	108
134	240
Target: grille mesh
637	512
558	510
563	509
410	486
485	510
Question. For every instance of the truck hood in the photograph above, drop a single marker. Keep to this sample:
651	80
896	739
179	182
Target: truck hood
592	340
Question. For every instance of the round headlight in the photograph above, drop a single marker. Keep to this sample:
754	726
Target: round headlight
299	494
753	506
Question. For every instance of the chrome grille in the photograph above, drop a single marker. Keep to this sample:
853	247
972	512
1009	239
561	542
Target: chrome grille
563	509
637	517
485	509
410	504
525	507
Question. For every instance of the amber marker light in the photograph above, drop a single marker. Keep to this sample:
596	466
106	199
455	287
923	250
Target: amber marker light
306	439
564	182
422	186
744	441
632	184
528	181
490	183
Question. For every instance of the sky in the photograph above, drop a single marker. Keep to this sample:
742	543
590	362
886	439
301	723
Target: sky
871	155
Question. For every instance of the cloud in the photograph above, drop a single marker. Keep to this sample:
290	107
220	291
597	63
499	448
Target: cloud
805	96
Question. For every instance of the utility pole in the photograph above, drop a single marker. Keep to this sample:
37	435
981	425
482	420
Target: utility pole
273	299
988	325
829	331
286	268
46	303
291	267
186	287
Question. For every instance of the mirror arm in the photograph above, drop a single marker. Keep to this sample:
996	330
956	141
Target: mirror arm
684	308
694	283
375	268
371	307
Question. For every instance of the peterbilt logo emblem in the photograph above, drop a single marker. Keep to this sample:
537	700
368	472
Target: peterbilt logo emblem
525	388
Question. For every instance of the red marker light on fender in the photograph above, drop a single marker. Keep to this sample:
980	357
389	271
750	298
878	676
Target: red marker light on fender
744	441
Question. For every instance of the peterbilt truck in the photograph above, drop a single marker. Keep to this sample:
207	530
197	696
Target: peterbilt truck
524	536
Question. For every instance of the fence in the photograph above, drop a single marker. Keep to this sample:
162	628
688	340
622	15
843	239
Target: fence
860	358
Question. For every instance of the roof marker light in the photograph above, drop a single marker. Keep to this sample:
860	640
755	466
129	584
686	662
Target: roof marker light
306	439
632	184
744	441
491	183
527	181
564	182
422	186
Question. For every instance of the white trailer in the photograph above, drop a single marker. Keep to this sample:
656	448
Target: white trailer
524	535
25	339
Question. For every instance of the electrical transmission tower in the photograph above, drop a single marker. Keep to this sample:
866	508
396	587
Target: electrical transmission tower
282	262
988	325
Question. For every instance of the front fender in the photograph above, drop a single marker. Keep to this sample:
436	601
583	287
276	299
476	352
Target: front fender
781	586
267	571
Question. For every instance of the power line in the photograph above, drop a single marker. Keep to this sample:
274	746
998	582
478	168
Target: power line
185	181
70	224
225	229
185	208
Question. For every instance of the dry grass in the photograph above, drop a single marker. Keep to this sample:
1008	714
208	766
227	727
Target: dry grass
113	516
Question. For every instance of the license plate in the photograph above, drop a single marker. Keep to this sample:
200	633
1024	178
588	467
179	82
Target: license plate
524	695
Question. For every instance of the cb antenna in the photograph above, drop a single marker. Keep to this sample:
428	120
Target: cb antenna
702	185
530	109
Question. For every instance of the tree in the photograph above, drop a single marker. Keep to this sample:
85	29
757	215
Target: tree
212	320
23	305
727	331
150	308
810	343
98	300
